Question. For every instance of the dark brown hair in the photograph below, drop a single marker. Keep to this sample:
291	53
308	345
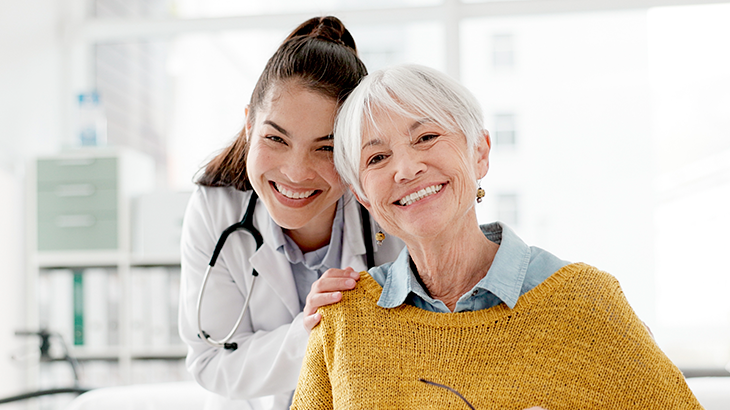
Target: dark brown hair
321	56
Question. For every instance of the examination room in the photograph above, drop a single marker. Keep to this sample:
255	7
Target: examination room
136	136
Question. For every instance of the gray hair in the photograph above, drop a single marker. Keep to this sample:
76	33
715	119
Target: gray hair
413	91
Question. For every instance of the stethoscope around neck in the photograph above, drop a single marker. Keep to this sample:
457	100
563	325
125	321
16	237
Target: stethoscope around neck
247	224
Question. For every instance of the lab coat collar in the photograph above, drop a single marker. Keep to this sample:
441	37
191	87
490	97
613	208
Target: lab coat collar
353	245
274	268
271	265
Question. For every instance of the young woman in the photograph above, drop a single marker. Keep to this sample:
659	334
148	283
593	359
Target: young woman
277	183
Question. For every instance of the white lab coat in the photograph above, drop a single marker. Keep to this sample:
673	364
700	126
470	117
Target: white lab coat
262	373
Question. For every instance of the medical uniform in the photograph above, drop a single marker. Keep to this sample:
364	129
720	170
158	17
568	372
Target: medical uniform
262	372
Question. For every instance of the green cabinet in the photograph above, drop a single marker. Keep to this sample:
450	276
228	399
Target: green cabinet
77	203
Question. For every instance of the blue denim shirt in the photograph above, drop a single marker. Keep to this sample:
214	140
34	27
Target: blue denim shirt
308	267
516	269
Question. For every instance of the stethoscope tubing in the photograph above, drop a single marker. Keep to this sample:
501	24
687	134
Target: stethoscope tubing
223	342
247	224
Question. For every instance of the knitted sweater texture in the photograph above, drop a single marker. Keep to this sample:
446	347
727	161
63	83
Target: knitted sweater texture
573	342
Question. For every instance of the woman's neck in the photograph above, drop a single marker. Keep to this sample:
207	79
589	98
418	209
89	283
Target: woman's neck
316	233
450	266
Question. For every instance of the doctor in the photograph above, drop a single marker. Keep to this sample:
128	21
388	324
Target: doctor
307	220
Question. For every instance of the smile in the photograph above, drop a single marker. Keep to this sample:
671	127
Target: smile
294	195
417	196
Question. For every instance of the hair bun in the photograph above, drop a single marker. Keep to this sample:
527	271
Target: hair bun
327	28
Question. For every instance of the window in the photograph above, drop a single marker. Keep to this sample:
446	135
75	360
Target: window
508	209
504	130
503	51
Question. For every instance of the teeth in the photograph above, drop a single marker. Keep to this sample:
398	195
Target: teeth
294	195
417	196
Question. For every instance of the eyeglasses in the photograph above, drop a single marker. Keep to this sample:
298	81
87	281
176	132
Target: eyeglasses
449	389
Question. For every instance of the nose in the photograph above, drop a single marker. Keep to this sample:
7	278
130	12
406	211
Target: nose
408	166
299	167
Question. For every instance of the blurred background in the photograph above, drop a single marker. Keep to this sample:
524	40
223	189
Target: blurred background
610	123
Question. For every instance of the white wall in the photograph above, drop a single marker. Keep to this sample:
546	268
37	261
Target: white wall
12	277
582	164
30	71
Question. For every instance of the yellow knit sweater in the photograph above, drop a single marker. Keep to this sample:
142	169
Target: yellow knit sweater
573	342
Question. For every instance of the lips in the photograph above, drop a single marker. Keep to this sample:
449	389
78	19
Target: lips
292	194
417	196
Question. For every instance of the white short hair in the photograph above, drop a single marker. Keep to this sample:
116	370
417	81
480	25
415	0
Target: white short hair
410	90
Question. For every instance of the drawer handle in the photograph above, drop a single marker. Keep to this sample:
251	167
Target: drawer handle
75	221
75	190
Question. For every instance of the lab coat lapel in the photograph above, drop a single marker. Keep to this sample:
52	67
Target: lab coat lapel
353	246
273	267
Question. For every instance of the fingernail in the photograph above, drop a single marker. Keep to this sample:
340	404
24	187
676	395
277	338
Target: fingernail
335	295
350	283
354	275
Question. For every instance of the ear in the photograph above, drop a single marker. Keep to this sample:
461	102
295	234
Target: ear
482	154
248	121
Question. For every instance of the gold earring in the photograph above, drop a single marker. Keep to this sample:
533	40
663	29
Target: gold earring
480	194
379	237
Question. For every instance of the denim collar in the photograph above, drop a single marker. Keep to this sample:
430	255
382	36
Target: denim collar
503	280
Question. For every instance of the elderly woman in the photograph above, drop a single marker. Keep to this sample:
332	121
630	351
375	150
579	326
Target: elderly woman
468	315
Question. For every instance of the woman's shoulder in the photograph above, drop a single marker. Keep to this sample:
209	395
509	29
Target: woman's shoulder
363	297
227	196
214	207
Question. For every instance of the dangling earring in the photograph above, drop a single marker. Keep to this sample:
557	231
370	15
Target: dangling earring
379	237
480	193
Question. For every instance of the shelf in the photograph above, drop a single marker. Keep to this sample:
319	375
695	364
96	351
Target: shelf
113	353
135	288
78	259
164	353
99	353
155	260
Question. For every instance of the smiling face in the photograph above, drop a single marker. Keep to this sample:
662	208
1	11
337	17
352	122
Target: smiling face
419	177
289	161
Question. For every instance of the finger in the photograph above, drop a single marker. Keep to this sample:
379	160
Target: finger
324	285
311	321
315	301
341	273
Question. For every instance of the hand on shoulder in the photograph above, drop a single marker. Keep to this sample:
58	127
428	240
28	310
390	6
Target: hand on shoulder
325	291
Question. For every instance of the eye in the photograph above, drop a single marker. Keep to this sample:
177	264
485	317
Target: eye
427	138
276	139
326	148
376	159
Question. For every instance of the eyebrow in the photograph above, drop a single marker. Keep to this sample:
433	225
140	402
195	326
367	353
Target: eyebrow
286	133
418	123
372	142
277	126
414	126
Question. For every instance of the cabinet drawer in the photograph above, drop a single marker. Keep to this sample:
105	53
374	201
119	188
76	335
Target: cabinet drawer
76	198
77	230
77	170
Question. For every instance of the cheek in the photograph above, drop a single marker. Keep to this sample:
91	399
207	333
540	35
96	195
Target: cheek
464	179
326	170
369	183
256	160
376	190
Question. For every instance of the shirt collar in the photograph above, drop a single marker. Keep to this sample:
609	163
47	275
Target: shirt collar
328	256
504	278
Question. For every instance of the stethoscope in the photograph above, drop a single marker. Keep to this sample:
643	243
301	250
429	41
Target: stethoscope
247	224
